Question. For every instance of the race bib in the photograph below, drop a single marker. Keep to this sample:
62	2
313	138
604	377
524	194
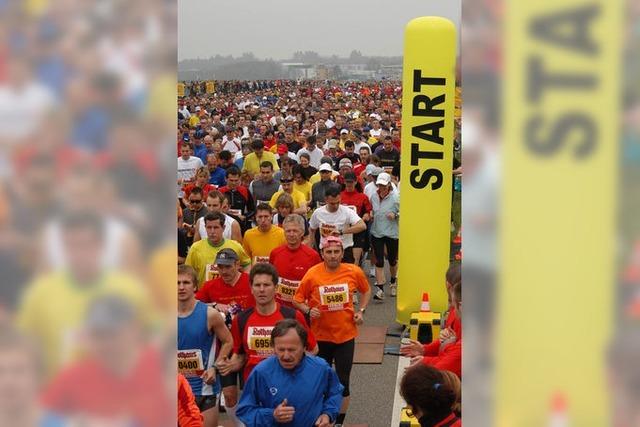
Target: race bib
190	363
287	289
334	297
329	230
211	272
259	340
260	259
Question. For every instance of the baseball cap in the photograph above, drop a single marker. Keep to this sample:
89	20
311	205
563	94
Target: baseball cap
325	167
330	241
343	131
345	163
226	257
198	108
186	138
333	143
383	179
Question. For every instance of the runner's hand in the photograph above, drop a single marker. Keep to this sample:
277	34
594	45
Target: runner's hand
314	313
358	317
323	421
413	349
224	366
209	376
284	413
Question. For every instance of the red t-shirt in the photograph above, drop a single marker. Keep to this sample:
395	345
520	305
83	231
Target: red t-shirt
292	266
217	290
89	388
255	340
357	199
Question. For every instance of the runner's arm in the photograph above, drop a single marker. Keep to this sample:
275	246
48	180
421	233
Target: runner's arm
217	326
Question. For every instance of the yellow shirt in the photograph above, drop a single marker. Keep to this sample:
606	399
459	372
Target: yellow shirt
54	309
202	257
194	120
316	177
259	245
297	196
304	189
252	162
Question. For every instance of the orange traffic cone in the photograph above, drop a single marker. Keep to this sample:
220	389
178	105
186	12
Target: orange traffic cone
559	416
425	306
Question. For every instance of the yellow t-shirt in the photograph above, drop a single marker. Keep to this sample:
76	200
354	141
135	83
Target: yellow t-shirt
258	245
297	196
54	309
202	257
316	177
194	120
252	162
304	189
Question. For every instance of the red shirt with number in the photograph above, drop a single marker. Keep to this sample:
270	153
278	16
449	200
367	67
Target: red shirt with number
292	265
255	340
218	291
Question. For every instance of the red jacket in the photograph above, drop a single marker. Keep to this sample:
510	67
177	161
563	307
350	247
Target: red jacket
433	348
188	413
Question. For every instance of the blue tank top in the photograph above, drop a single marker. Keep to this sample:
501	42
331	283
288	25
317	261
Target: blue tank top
194	339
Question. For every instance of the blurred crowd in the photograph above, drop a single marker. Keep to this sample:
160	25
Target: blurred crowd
87	94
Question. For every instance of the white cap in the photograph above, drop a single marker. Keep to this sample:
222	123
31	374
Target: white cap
343	131
325	167
383	179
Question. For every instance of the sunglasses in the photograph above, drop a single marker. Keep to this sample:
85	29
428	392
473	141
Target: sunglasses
195	201
286	181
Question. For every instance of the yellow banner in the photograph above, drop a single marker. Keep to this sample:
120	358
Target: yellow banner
210	87
180	90
428	95
557	229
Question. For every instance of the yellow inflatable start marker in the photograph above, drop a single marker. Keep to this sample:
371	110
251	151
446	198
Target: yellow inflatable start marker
428	95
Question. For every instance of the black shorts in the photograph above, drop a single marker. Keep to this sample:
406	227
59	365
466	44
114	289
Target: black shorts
342	356
207	402
348	255
228	380
361	240
378	244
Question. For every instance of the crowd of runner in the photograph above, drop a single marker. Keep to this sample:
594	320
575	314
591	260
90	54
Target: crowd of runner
288	198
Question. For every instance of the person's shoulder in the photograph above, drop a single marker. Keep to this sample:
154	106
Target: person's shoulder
279	250
313	270
199	245
316	362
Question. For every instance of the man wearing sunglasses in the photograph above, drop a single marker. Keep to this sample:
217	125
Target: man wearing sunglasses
299	200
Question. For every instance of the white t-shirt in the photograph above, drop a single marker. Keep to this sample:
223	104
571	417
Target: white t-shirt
231	145
375	133
226	233
187	170
316	155
327	222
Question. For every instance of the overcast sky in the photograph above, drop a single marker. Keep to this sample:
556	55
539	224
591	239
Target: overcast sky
277	28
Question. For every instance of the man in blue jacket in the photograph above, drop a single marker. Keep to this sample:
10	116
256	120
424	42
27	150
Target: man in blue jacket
290	388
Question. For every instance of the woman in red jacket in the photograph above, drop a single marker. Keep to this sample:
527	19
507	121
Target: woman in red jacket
446	351
429	397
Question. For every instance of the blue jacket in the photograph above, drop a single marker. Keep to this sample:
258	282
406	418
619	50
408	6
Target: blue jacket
312	388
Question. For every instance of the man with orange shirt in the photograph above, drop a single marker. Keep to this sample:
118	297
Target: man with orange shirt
326	295
293	259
